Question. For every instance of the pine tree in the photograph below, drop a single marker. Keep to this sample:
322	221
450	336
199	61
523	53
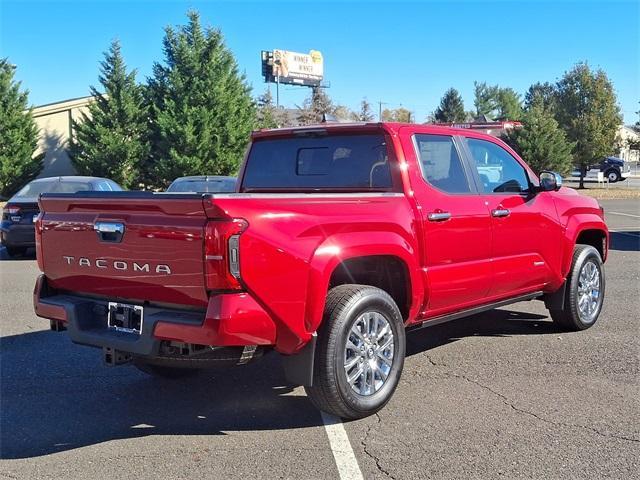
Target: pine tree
201	107
541	142
509	104
315	106
18	135
365	114
267	114
546	92
486	99
451	109
588	111
111	140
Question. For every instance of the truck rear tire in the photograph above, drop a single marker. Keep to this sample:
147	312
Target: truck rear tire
584	293
360	352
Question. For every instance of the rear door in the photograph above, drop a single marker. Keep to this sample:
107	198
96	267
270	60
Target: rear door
526	231
125	246
455	223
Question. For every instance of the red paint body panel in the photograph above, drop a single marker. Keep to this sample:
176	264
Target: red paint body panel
292	244
231	319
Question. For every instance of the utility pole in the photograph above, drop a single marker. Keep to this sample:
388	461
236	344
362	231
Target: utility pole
380	103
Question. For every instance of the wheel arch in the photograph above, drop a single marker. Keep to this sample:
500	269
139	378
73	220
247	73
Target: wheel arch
352	258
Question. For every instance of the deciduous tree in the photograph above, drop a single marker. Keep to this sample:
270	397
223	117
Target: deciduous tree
588	111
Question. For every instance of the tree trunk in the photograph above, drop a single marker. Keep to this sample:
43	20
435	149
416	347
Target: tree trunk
583	172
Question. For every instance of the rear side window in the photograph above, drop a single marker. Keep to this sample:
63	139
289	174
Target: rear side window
337	162
441	165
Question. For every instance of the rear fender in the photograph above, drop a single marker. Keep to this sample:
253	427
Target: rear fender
341	247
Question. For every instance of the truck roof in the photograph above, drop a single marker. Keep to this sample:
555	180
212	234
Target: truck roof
391	127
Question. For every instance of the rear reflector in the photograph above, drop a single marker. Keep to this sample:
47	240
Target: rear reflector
222	254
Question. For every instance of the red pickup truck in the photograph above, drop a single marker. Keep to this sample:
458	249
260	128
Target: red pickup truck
338	239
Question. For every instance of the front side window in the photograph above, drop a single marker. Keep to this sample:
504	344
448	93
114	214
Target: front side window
499	172
441	165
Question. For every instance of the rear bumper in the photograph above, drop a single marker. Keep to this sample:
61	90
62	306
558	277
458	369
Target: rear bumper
17	235
230	320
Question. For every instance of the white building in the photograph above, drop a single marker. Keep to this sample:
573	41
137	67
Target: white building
626	133
54	122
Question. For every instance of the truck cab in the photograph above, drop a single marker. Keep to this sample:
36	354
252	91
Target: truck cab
338	239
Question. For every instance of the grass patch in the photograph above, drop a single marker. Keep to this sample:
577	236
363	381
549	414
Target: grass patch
610	193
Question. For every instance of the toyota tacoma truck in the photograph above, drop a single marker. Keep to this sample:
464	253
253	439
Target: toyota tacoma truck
338	239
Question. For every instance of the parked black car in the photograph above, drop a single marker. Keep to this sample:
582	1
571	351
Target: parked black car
18	215
203	184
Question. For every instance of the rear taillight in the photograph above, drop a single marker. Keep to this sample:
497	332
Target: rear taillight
222	254
12	212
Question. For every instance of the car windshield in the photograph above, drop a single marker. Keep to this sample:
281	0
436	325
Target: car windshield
216	185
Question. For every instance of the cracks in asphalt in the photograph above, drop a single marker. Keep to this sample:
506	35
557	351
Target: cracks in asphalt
365	448
519	410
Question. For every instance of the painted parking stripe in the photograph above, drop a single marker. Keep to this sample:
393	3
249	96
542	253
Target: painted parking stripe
624	214
345	459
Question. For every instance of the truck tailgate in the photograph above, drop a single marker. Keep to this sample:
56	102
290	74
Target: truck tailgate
126	246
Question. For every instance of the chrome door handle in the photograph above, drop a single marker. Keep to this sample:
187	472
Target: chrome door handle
438	216
500	212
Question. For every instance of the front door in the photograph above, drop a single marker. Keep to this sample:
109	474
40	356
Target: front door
526	232
455	223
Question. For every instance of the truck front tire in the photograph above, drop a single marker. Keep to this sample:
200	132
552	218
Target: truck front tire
359	354
584	293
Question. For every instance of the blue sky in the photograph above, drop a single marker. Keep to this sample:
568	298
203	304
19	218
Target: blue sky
399	53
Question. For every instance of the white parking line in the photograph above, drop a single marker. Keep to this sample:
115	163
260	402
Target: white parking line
623	214
345	459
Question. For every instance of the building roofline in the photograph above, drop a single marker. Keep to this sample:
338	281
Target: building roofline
61	106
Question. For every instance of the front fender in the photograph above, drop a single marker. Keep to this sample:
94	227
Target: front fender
577	224
340	247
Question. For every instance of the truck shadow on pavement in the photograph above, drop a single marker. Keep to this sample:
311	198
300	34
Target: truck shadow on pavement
494	323
56	396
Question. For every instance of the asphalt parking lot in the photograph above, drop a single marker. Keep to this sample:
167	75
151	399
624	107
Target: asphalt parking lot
498	395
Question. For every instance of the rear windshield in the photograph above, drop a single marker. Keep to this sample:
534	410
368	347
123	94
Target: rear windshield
34	189
203	186
327	163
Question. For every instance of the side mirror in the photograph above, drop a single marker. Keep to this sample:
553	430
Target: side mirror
550	181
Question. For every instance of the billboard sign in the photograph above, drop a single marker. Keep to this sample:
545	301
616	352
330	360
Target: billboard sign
294	68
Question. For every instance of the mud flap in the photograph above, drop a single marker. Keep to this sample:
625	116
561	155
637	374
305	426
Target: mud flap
298	368
555	300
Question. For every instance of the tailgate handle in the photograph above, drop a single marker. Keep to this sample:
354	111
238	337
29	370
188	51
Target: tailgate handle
109	231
